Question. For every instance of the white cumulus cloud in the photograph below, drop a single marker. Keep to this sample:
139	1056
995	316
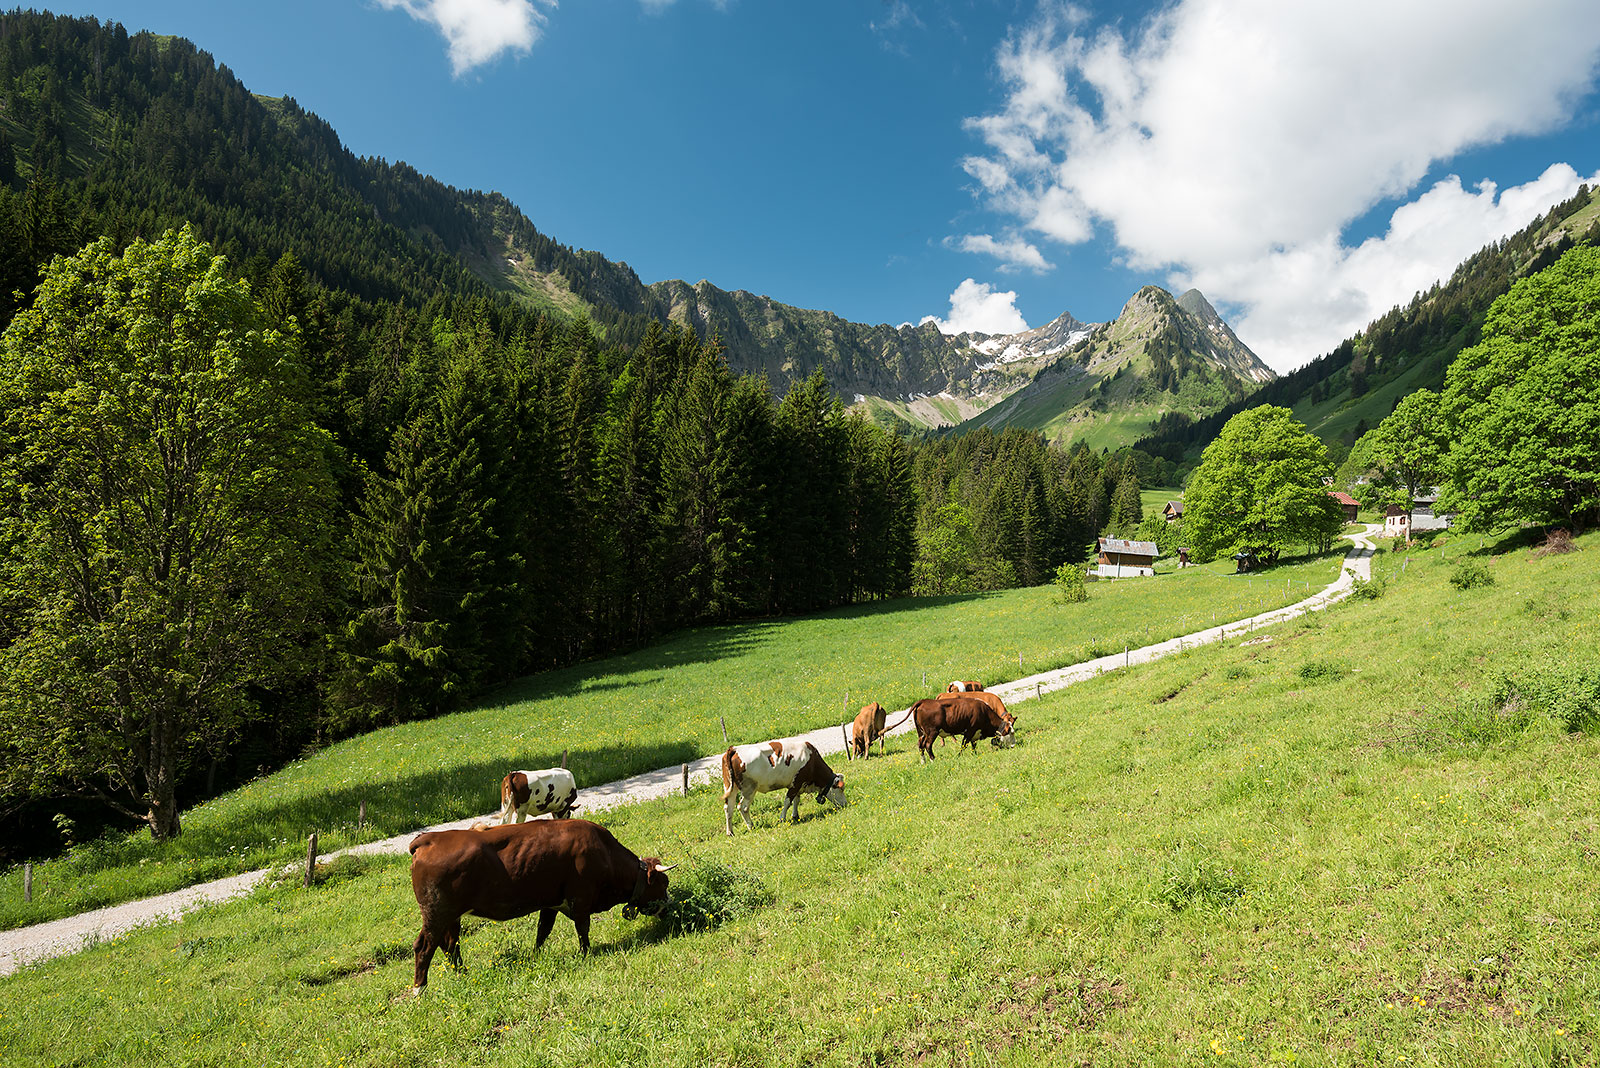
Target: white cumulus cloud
975	306
479	31
1013	252
1231	142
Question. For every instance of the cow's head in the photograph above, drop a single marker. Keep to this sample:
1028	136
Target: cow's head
649	890
1005	739
834	793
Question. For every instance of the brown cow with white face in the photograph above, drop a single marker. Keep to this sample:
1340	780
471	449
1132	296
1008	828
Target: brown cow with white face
868	728
961	717
794	766
570	866
964	687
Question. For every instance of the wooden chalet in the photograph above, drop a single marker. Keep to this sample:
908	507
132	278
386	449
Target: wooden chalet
1120	558
1350	505
1173	511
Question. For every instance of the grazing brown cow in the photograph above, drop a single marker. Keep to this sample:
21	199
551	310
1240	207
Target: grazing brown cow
961	717
748	770
569	866
984	696
869	729
963	687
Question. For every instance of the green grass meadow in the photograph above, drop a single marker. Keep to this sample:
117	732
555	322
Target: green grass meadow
1363	837
650	709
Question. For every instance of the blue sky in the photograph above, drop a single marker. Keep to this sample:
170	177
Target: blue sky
989	163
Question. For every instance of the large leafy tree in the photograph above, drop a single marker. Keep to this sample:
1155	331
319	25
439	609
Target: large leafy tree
1410	445
1261	485
1523	405
165	523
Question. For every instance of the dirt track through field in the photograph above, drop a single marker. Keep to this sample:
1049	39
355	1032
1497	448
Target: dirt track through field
57	938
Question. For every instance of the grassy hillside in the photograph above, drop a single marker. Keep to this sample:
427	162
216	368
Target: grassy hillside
652	708
1341	846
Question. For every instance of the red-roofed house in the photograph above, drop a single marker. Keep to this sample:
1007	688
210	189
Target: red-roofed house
1350	505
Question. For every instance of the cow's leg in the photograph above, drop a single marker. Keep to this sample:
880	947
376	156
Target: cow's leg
424	948
547	920
744	808
580	920
727	810
451	943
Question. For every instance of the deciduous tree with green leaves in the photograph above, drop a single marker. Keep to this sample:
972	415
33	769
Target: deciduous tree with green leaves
1261	485
1410	446
165	528
1523	405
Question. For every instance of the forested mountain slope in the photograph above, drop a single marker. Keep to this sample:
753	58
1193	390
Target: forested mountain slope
103	132
1345	392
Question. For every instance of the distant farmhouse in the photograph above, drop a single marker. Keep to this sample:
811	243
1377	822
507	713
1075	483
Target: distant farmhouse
1126	559
1173	511
1350	505
1423	518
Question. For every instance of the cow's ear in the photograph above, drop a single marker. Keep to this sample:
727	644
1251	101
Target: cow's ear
838	782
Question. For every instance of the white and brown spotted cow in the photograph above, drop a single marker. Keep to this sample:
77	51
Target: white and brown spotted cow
794	766
534	792
968	686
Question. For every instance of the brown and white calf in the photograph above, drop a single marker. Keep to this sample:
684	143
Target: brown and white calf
794	766
868	728
537	792
964	687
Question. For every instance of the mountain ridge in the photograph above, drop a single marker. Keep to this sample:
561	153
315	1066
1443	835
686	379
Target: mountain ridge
153	132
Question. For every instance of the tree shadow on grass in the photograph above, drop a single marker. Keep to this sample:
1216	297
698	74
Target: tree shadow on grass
702	645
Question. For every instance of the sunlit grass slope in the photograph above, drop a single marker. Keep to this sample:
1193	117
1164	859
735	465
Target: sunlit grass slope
650	709
1340	846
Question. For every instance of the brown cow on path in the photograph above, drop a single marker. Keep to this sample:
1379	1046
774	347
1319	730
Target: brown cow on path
748	770
964	687
569	866
869	729
961	717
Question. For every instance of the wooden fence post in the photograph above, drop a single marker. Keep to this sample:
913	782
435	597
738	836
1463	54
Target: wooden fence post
361	820
686	780
27	881
311	858
724	723
564	753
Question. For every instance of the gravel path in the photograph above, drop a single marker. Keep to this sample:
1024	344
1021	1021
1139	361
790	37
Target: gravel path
25	945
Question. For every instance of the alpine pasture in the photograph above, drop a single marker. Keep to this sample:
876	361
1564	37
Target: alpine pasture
1367	836
659	706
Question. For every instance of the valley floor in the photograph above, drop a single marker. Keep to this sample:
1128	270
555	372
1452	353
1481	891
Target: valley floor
25	945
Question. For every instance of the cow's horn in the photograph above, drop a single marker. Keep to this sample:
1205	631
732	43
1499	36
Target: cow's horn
664	867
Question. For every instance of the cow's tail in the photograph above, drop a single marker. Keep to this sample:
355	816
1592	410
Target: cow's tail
727	769
901	720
